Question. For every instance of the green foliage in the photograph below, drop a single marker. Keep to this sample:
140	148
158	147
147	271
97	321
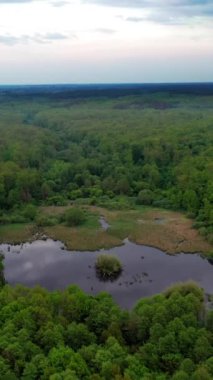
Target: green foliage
56	200
74	217
29	212
145	197
71	335
45	221
103	149
150	148
108	266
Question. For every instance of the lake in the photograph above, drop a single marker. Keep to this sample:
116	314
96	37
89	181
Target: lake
146	270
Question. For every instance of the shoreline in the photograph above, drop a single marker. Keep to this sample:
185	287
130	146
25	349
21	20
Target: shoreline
169	231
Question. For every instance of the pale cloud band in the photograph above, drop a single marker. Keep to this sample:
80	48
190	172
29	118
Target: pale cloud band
105	40
163	11
187	8
11	40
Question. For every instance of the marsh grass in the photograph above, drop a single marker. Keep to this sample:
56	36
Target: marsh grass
16	233
173	234
82	238
169	231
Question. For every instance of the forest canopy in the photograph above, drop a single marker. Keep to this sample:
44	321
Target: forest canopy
64	144
70	335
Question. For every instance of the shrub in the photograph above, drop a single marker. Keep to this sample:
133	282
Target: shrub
210	257
74	217
108	267
145	197
44	221
210	238
203	231
29	212
12	219
56	200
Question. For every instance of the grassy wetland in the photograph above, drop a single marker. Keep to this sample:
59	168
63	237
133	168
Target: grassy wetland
169	231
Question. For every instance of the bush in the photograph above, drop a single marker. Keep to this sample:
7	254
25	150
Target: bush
44	221
198	224
74	217
29	212
210	257
108	267
145	197
164	203
203	231
210	238
56	200
12	219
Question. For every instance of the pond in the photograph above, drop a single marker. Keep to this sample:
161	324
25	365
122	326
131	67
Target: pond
146	270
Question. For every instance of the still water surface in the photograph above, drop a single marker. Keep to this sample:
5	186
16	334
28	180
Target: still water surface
146	270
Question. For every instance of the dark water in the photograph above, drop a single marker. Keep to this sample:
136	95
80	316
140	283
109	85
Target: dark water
147	270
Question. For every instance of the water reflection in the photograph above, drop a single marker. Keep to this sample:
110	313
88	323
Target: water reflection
104	224
146	270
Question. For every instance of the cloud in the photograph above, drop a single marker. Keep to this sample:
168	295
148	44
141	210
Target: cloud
53	36
55	3
164	11
15	1
11	40
135	19
149	3
58	3
105	30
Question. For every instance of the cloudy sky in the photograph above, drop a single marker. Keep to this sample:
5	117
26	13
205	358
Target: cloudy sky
91	41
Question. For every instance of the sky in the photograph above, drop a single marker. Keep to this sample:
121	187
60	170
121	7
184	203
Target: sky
105	41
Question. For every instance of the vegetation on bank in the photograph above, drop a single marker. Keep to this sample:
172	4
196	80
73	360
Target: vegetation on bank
108	267
71	335
16	233
153	148
74	217
169	231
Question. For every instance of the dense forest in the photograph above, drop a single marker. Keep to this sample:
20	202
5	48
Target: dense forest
70	335
150	145
117	147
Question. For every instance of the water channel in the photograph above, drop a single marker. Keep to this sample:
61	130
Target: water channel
146	270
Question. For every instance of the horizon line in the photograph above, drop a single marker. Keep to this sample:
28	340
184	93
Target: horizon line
103	83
